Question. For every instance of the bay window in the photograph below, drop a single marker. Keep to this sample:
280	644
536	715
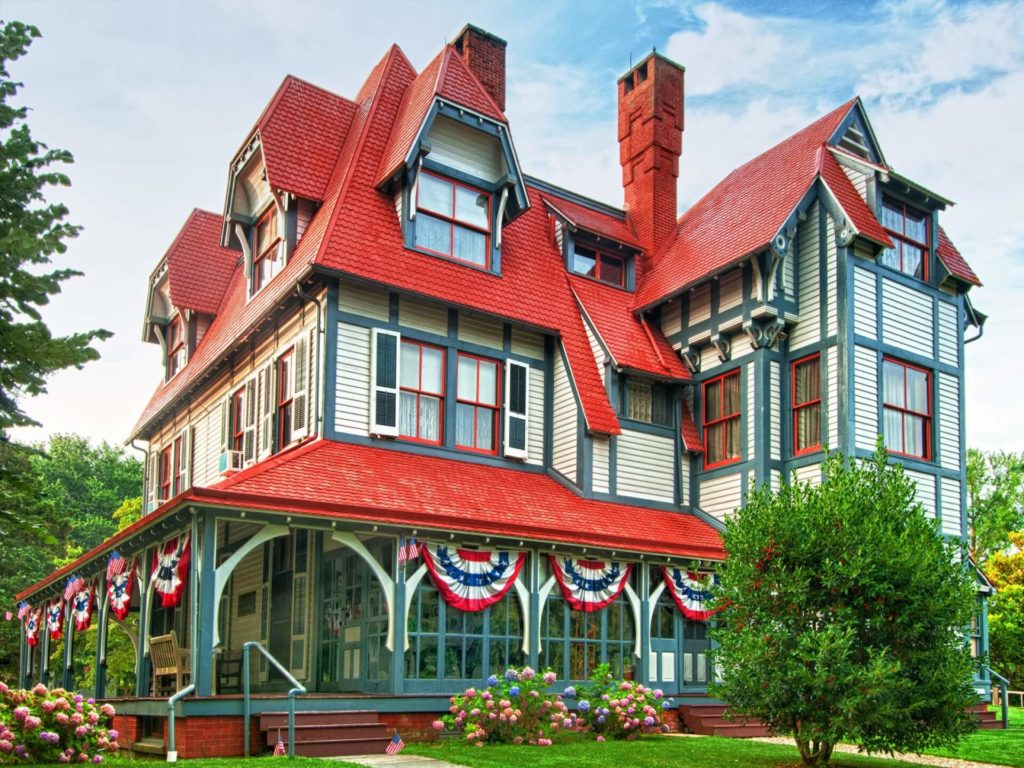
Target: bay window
807	405
906	409
908	228
453	220
722	437
421	403
476	406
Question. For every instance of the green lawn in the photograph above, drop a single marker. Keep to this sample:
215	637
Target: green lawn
998	747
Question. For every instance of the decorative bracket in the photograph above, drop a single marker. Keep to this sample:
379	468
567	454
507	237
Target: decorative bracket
723	347
691	360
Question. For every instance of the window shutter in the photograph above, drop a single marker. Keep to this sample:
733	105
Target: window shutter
154	480
225	462
300	387
517	397
267	403
384	392
249	403
185	459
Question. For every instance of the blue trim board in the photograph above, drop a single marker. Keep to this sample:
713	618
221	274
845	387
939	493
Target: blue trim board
330	364
906	356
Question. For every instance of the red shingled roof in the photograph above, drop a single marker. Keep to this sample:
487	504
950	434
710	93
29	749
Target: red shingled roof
591	220
198	269
688	430
630	345
741	214
849	199
953	261
301	132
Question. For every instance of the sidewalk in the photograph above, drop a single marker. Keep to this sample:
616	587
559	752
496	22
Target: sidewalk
405	761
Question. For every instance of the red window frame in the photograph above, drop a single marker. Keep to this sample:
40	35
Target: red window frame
901	237
600	257
269	252
453	221
238	420
285	398
165	474
175	346
721	418
477	404
904	411
807	404
420	392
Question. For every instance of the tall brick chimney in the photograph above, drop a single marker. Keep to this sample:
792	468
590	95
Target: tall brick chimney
484	53
650	143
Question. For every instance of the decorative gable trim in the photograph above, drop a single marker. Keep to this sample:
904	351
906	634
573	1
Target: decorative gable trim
856	136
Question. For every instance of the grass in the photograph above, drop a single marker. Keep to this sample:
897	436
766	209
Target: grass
997	747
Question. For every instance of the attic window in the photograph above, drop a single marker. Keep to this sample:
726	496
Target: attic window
855	142
175	347
266	241
453	220
605	267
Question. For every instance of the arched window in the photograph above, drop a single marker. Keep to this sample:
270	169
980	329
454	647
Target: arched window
573	643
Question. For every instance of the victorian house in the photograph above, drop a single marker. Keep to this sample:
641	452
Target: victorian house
423	416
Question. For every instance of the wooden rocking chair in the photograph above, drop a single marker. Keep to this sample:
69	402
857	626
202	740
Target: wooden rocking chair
170	665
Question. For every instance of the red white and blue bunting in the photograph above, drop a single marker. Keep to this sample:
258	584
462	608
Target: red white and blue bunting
120	576
32	627
691	591
170	570
82	603
55	619
590	585
471	580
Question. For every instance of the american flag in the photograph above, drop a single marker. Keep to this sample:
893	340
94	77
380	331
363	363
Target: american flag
394	746
23	609
408	550
75	583
115	565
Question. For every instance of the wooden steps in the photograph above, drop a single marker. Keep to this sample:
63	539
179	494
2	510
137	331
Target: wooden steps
712	720
987	720
328	734
149	746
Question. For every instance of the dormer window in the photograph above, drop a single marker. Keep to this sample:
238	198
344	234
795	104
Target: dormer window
606	267
453	220
175	347
908	228
267	260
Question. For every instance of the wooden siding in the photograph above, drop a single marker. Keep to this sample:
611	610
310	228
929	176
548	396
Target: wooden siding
906	318
527	343
247	577
601	461
535	453
422	315
832	392
672	317
730	290
949	336
865	303
925	490
774	409
206	428
700	304
865	398
807	474
477	329
831	280
304	211
807	330
364	300
948	414
859	179
596	350
465	149
720	496
564	423
951	506
645	466
352	385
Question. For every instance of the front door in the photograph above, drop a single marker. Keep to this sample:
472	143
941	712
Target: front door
696	659
280	604
665	645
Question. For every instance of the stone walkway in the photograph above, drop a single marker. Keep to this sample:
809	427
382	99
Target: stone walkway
404	761
942	762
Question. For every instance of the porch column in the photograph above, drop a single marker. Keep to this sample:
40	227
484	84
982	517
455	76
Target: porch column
141	657
101	642
24	657
203	613
69	640
398	627
44	651
643	667
533	626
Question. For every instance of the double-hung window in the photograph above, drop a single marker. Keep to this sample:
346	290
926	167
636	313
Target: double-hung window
238	420
453	220
266	254
166	473
285	396
421	398
722	437
906	409
807	405
605	267
476	407
908	228
175	347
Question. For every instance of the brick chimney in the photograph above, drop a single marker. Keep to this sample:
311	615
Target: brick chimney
484	53
650	143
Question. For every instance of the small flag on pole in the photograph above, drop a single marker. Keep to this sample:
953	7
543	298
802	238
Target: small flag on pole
115	565
408	549
75	584
394	746
279	750
23	609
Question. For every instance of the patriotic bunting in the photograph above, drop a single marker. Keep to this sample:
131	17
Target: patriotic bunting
32	627
170	569
55	619
471	580
691	591
81	606
120	576
590	585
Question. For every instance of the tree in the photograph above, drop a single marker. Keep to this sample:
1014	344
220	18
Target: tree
1006	610
995	500
843	613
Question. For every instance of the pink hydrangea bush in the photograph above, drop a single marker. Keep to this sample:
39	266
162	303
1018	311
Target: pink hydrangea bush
619	709
53	726
513	709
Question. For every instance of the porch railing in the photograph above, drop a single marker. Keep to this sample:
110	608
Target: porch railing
1004	684
296	689
172	753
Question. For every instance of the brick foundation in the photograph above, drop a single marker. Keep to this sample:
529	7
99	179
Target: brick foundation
411	726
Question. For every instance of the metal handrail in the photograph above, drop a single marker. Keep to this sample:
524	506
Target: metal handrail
172	754
297	688
1003	687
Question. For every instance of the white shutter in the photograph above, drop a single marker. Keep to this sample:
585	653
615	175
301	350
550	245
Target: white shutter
267	403
517	408
300	387
249	404
185	459
154	480
385	358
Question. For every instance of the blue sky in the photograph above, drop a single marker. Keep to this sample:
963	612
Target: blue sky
154	98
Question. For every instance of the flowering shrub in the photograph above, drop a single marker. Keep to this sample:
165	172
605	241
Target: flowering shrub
514	709
619	709
53	726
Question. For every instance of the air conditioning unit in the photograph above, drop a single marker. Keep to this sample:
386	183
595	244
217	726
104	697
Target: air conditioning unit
230	462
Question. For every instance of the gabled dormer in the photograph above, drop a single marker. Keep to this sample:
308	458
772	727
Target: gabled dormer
450	163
